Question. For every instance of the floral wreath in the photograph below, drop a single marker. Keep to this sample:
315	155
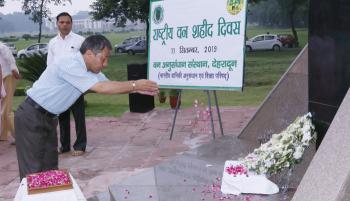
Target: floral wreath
283	150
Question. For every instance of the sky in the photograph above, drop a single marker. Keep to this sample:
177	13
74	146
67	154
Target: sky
76	6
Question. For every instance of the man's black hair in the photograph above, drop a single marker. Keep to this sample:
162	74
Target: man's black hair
95	43
64	14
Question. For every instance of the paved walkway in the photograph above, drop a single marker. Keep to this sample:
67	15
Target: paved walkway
120	147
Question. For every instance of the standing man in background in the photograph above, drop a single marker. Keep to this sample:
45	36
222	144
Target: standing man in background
10	75
66	43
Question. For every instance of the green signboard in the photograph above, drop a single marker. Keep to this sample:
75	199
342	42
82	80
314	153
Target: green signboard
197	44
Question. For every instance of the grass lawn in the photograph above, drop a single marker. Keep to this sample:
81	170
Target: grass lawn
263	69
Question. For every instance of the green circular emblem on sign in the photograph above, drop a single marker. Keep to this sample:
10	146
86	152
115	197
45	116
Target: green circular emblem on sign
158	14
234	6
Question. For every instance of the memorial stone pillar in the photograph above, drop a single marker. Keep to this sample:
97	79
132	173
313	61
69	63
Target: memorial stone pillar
329	60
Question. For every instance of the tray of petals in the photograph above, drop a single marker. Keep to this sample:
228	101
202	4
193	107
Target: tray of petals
48	181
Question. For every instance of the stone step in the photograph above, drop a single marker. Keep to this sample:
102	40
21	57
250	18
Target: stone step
104	196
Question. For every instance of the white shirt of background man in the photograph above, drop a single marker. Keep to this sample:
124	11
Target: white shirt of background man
59	47
7	61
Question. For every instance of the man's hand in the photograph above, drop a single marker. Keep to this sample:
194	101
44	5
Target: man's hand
146	87
15	74
116	87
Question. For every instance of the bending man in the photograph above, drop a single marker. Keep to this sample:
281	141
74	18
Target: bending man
54	92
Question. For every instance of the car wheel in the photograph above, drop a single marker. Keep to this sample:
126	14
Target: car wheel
276	48
119	50
248	48
130	52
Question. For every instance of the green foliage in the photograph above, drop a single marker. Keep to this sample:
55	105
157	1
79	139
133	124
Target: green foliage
32	67
20	92
275	13
9	39
162	92
109	9
26	36
120	10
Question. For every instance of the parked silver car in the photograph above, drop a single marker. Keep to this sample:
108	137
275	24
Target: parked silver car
33	49
120	48
138	47
12	48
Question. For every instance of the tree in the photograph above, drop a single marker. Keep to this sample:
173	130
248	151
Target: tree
269	14
121	10
38	9
26	36
291	6
2	3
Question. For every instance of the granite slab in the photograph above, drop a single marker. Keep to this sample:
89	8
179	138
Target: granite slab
195	175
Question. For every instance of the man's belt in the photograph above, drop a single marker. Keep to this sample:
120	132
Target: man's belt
31	102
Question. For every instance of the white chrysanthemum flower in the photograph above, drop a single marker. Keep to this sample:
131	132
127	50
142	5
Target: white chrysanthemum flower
298	153
262	169
306	137
286	164
268	164
274	141
308	115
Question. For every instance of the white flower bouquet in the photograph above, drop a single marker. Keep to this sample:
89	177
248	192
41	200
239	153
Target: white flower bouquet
283	150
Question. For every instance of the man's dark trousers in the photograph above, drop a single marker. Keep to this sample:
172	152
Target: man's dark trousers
36	140
78	110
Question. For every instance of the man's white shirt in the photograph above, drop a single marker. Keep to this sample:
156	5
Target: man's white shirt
59	47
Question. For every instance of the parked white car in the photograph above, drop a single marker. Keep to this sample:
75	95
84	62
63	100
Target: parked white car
263	42
33	49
